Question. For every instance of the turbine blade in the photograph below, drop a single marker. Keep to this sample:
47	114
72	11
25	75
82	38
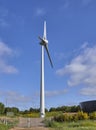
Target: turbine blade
44	35
42	41
40	38
48	55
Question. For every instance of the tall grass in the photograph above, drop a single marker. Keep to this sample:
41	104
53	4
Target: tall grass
79	125
7	122
5	127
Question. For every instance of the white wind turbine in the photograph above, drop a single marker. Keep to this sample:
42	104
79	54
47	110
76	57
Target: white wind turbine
44	44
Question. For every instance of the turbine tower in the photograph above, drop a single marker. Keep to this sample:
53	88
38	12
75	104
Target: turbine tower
44	45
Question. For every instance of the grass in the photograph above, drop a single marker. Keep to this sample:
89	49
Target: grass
52	114
5	127
37	114
79	125
31	115
8	123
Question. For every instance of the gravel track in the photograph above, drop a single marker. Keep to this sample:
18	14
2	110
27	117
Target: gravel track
30	124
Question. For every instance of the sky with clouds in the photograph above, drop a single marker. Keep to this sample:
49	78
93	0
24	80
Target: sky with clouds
71	32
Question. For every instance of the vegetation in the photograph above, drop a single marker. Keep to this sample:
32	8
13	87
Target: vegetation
34	112
72	121
66	109
71	117
6	123
68	117
93	115
60	118
2	108
79	125
4	127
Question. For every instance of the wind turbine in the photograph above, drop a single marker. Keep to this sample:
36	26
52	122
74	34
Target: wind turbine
44	45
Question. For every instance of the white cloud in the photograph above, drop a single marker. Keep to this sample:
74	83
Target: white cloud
5	68
86	2
40	12
82	69
55	93
3	23
3	16
66	4
15	98
3	11
89	91
6	15
60	56
84	45
5	51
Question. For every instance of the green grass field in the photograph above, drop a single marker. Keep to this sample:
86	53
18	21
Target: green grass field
7	127
4	127
79	125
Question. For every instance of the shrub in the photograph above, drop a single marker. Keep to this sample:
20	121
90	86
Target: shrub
63	117
71	117
59	118
49	123
92	115
82	115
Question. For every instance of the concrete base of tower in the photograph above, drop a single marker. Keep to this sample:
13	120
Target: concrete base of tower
42	115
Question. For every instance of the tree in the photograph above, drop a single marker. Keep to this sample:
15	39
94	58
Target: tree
2	108
11	109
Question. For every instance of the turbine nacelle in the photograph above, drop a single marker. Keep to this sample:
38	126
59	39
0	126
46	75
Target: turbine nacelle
44	41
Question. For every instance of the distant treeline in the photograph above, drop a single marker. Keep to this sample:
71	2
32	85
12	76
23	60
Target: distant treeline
15	110
4	110
66	109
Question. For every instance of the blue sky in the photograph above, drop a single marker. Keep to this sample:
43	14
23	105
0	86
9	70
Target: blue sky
71	32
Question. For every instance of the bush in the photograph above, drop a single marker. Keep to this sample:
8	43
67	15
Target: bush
49	123
71	117
82	116
92	115
63	117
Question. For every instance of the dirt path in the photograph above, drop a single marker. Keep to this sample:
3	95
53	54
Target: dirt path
33	128
30	124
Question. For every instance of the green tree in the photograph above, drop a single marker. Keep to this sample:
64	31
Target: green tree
2	108
11	109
